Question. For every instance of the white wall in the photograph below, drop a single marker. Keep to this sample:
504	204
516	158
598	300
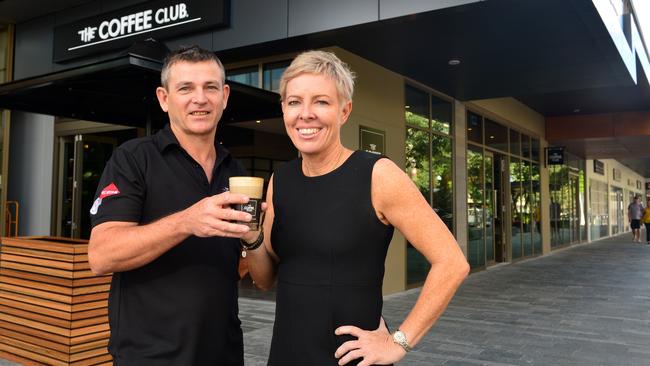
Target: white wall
30	171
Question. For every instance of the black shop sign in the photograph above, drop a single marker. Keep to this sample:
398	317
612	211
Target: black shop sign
155	19
555	155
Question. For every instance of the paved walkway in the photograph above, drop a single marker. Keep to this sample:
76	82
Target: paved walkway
588	304
585	305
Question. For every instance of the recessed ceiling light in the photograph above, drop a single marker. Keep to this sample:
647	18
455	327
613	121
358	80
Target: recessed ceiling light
454	62
576	110
407	106
258	121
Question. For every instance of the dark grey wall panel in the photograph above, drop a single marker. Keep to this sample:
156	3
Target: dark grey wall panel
33	52
77	13
110	5
203	40
392	8
252	22
309	16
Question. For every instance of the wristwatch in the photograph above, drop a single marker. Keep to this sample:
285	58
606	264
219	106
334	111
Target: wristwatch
400	338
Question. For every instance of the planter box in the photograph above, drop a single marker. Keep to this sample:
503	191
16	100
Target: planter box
53	310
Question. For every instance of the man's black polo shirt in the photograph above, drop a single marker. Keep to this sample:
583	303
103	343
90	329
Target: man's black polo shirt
180	309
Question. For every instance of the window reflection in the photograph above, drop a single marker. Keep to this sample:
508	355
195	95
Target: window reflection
474	128
245	75
475	207
515	144
440	115
417	159
272	74
496	135
428	163
416	107
517	204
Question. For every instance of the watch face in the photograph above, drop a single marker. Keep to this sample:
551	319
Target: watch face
400	338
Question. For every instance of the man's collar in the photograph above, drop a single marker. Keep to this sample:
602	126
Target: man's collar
165	139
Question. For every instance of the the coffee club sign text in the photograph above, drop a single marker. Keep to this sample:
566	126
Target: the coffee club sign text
121	28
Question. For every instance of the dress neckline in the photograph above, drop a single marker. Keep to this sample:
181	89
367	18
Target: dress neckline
333	172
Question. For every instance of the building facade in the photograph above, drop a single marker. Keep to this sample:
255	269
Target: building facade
460	103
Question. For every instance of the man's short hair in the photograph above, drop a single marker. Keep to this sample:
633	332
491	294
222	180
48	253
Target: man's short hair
192	53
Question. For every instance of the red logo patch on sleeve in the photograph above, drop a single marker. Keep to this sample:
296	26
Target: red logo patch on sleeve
109	190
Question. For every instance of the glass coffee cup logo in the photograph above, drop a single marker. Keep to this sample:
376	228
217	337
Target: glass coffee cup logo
135	23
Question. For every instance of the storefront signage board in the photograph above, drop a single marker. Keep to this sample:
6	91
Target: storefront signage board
119	29
555	155
599	167
372	140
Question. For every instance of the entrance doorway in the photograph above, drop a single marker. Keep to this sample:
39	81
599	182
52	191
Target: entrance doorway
80	162
499	177
486	198
617	211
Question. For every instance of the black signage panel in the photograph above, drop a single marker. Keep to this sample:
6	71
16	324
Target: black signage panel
555	155
599	167
154	19
372	140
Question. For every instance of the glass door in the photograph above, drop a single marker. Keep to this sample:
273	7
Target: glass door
491	194
574	222
81	162
500	207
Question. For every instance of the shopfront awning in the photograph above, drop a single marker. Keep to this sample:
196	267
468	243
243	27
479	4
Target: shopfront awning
120	90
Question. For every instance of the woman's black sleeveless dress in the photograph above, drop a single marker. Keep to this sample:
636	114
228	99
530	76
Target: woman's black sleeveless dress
332	249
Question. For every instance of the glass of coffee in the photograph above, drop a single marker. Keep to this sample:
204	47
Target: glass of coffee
252	187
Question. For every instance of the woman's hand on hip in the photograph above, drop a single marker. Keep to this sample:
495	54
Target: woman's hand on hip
376	347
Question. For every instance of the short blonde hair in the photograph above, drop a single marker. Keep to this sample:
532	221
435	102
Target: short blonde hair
320	63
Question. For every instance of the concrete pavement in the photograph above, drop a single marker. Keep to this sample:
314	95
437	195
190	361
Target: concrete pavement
588	304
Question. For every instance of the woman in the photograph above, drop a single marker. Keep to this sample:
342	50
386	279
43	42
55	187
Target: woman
329	219
645	219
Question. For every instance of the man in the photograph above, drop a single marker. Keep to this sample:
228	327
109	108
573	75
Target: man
162	224
634	213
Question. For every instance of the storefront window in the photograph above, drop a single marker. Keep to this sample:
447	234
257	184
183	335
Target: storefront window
496	135
250	75
566	185
505	176
247	75
272	74
537	209
474	128
475	207
417	107
525	146
598	216
534	149
517	204
440	115
527	222
515	143
428	163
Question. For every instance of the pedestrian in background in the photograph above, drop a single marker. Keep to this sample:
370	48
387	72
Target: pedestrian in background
646	221
634	213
